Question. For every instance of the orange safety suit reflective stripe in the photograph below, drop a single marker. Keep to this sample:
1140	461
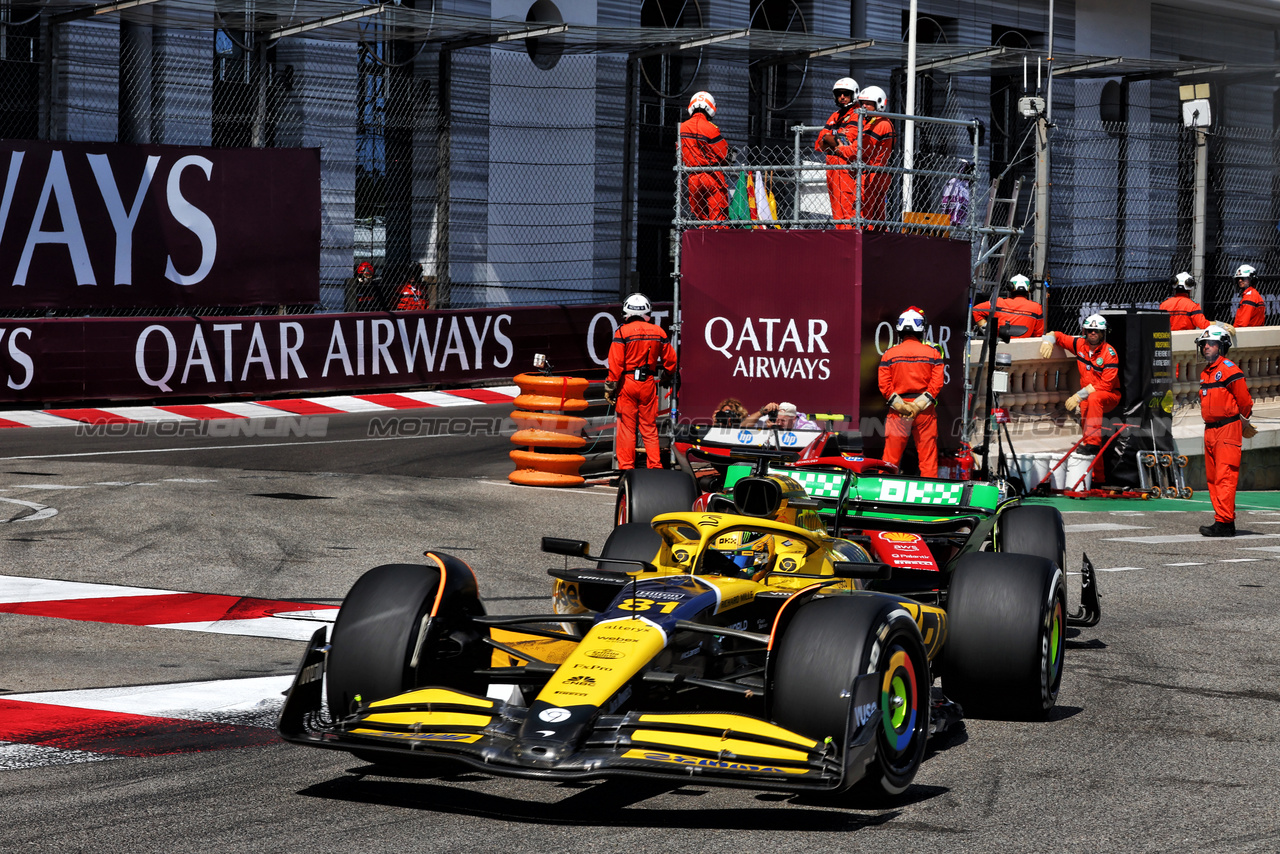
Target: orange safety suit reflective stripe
638	350
1224	398
842	185
1252	310
1099	367
702	145
1184	313
411	299
877	145
1018	311
911	369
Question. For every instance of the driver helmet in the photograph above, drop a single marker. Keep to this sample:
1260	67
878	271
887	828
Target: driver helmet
1214	332
912	320
703	101
1095	321
637	305
748	550
1020	283
846	84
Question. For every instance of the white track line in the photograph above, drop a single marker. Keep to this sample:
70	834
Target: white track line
186	700
15	588
1188	538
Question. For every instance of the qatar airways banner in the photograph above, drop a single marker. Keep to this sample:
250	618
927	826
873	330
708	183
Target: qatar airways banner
769	316
93	225
804	316
181	357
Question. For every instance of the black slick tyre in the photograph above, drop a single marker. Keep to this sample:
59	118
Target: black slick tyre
1006	618
375	634
826	646
1032	529
645	493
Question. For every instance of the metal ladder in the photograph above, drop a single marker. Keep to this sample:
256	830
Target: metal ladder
989	260
998	239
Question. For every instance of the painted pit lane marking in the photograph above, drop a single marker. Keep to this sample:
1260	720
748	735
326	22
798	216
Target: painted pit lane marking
163	609
1089	527
1191	563
1122	569
1240	560
63	727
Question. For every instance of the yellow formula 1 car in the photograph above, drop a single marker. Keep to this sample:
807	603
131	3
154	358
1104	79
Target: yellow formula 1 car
744	649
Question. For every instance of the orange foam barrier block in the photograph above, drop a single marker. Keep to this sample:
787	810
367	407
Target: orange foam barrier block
558	387
540	401
547	439
553	463
528	477
571	424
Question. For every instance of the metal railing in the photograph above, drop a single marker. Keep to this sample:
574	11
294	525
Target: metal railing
915	202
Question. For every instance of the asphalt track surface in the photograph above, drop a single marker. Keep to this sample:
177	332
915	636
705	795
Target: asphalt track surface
1164	739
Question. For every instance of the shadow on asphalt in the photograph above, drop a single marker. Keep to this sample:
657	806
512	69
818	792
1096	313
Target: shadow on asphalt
605	803
1061	713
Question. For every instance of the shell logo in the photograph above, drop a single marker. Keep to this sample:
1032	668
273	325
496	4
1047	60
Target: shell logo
898	537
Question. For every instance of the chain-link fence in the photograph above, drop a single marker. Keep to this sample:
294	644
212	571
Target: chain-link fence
1123	216
485	175
825	179
537	182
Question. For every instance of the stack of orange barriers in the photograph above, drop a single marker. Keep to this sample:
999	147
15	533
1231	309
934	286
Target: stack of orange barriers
548	435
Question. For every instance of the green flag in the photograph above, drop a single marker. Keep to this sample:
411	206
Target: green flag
740	205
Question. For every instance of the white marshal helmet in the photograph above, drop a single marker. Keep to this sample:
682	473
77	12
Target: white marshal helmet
1244	271
1184	281
912	320
1020	283
875	95
1095	321
846	84
1213	333
703	101
637	305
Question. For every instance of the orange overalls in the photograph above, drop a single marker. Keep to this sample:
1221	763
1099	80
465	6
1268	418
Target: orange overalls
1252	310
638	350
842	185
877	145
1019	311
911	369
1100	368
411	298
1184	313
1224	398
702	145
